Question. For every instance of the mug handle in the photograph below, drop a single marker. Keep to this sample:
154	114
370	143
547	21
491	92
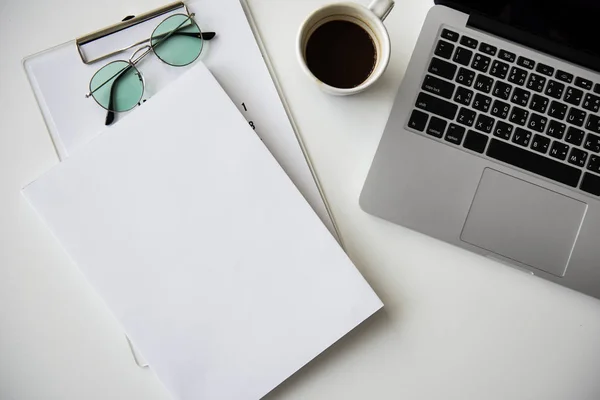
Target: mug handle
381	8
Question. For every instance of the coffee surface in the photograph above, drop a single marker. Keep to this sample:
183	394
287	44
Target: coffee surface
341	54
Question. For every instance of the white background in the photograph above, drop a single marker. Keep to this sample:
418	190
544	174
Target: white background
455	326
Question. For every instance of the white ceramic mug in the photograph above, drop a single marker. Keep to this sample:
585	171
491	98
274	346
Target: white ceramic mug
369	18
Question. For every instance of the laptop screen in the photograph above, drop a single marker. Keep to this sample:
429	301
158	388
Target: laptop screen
569	22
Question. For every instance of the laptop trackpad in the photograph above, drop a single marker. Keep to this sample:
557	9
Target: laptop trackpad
524	222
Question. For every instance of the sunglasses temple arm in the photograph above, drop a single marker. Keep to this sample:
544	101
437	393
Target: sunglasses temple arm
89	94
203	35
110	115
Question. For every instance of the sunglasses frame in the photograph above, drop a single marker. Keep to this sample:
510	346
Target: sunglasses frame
133	60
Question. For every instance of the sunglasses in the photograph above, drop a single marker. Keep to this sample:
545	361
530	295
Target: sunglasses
119	86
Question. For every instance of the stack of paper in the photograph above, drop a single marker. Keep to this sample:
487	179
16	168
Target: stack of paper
217	267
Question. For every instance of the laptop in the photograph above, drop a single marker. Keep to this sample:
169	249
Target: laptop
493	142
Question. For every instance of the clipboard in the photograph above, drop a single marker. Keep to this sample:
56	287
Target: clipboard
60	76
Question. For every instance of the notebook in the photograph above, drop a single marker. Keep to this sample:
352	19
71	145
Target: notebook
60	80
218	269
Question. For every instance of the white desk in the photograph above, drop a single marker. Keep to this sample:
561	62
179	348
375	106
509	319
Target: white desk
455	326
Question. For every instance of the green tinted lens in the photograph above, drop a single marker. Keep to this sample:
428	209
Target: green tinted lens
118	86
177	40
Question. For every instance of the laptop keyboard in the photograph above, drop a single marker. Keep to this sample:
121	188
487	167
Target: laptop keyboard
512	109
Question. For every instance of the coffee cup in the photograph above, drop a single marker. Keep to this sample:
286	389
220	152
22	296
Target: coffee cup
345	47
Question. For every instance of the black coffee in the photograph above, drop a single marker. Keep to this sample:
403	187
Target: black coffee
341	54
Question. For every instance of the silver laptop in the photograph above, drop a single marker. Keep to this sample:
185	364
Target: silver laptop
493	143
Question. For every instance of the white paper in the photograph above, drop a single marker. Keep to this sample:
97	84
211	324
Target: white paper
60	81
219	270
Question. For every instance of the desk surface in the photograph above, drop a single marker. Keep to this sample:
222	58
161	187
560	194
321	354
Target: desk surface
455	326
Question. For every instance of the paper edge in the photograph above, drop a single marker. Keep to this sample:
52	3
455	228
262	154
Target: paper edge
273	74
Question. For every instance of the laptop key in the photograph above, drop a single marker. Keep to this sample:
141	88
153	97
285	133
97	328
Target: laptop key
520	97
475	141
469	42
483	83
597	88
537	122
438	86
540	144
574	136
442	68
466	116
532	162
499	69
592	143
463	96
450	35
576	116
465	76
594	164
573	96
519	116
591	102
517	76
436	106
545	69
503	130
555	89
444	49
583	83
507	56
526	62
578	157
502	90
484	123
482	103
557	110
591	184
536	82
418	120
522	137
559	150
556	129
488	49
593	123
455	134
539	103
481	62
564	76
500	109
463	56
436	127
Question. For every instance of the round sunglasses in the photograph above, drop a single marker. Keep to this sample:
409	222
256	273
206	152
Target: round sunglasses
119	86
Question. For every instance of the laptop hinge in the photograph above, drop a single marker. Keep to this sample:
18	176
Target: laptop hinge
497	28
